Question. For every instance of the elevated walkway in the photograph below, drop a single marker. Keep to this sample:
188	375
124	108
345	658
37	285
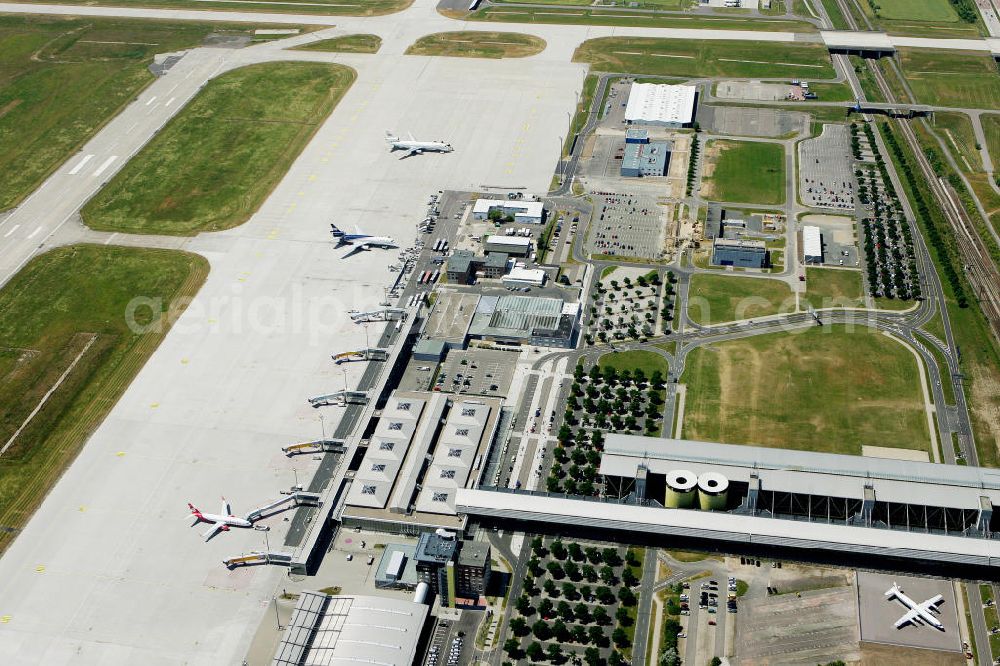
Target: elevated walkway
371	354
385	314
317	446
258	557
298	498
340	397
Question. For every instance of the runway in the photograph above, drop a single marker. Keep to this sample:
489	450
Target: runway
108	571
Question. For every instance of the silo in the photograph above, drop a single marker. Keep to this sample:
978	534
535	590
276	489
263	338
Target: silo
712	491
681	485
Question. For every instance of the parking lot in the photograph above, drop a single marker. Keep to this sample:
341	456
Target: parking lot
746	121
478	371
840	245
627	225
825	176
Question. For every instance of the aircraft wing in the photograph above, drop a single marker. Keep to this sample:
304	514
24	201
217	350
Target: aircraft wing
212	531
411	152
910	616
226	509
355	249
931	604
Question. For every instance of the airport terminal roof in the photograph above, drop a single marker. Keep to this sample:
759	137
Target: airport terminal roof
662	103
728	527
332	630
529	208
740	242
807	472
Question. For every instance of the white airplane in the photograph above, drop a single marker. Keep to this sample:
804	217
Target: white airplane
414	147
360	240
918	613
221	521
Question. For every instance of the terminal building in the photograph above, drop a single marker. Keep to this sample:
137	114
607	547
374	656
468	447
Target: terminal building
849	510
525	212
660	105
456	571
533	320
739	252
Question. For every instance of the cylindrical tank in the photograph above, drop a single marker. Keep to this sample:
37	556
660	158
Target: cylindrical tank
420	596
681	484
712	491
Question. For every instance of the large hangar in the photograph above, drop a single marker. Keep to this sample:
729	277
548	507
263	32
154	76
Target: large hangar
660	105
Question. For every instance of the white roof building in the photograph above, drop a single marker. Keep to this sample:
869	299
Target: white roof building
660	104
454	455
523	211
346	629
532	276
812	244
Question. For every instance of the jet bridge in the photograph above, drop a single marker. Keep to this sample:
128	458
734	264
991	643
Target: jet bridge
371	354
385	314
257	557
299	498
317	446
340	397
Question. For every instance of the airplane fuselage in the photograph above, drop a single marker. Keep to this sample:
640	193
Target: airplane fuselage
921	610
230	521
421	146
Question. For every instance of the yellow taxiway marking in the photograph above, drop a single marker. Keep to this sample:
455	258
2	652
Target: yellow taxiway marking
312	177
120	454
40	568
4	619
154	405
185	361
82	508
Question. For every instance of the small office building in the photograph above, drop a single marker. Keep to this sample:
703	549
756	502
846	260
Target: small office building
495	265
524	212
525	277
645	159
740	253
515	246
460	268
812	245
456	571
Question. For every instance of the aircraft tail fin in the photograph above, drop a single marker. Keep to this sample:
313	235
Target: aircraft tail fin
390	137
337	233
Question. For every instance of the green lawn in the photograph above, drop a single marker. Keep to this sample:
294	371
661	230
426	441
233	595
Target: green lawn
476	44
834	288
648	361
934	11
664	57
62	79
341	7
947	78
744	172
956	130
345	44
218	159
991	128
57	305
713	299
823	389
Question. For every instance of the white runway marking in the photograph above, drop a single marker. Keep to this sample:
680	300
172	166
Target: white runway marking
151	100
75	170
169	102
105	165
12	230
129	130
34	233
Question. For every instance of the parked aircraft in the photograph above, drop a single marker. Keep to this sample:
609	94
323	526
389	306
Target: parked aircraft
922	613
360	240
221	521
414	147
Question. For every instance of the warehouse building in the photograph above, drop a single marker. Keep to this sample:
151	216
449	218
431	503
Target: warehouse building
812	245
525	212
514	246
645	159
661	105
342	629
739	252
541	321
525	277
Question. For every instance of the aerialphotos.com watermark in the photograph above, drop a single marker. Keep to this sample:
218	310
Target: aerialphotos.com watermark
299	312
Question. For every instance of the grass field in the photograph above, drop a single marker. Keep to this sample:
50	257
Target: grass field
744	172
50	320
636	358
824	389
833	288
991	128
664	57
61	80
340	7
345	44
713	299
663	5
957	79
219	158
475	44
935	11
957	131
623	17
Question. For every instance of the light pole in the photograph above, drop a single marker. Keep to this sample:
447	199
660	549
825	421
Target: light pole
322	425
559	164
277	620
